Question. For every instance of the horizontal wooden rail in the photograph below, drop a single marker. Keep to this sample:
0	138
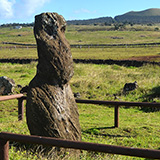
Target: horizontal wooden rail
5	137
113	103
119	103
129	151
116	104
94	45
21	99
9	97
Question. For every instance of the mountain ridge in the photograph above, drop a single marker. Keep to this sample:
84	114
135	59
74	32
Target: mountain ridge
151	15
147	12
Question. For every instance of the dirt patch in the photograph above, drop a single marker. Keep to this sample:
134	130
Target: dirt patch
146	58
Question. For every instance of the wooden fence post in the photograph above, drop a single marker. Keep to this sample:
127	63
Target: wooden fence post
116	116
20	108
4	149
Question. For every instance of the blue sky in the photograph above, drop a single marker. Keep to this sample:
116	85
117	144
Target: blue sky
23	11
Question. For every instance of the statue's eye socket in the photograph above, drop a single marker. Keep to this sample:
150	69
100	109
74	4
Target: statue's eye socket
63	29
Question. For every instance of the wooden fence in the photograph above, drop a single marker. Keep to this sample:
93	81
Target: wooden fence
154	44
130	151
47	141
20	98
115	104
115	45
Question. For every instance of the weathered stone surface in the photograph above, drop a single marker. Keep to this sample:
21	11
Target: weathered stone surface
6	85
51	108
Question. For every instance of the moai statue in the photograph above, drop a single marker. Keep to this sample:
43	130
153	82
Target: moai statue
51	108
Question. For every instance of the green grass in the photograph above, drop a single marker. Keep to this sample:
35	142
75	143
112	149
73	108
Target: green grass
108	80
105	34
12	35
22	74
20	53
98	81
138	128
108	37
114	53
99	35
88	53
135	125
94	35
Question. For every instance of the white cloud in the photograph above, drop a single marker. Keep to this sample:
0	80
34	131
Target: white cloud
6	8
19	10
31	6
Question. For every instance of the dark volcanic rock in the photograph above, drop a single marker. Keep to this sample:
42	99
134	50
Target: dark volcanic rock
6	85
51	107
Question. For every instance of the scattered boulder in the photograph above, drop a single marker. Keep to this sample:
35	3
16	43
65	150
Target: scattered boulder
6	85
130	87
77	95
117	37
51	109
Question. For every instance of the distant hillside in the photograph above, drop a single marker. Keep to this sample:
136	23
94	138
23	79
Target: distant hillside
107	20
148	12
146	16
141	17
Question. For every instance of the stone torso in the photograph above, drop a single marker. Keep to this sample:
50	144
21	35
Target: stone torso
51	107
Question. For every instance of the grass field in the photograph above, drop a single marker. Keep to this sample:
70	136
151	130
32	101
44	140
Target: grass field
88	53
138	127
95	35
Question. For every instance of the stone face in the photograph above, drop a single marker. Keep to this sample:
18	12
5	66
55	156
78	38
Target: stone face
51	108
6	85
55	59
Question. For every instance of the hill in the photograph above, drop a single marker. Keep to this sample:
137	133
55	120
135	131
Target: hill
138	17
146	16
148	12
107	20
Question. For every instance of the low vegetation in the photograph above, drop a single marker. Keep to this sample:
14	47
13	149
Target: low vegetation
89	34
90	53
116	53
95	35
138	127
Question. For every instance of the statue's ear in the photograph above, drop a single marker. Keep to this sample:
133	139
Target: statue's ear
63	29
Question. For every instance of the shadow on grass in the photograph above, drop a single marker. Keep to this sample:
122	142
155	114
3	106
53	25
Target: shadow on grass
96	131
154	93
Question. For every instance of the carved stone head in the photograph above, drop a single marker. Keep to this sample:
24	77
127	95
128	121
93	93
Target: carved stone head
54	56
